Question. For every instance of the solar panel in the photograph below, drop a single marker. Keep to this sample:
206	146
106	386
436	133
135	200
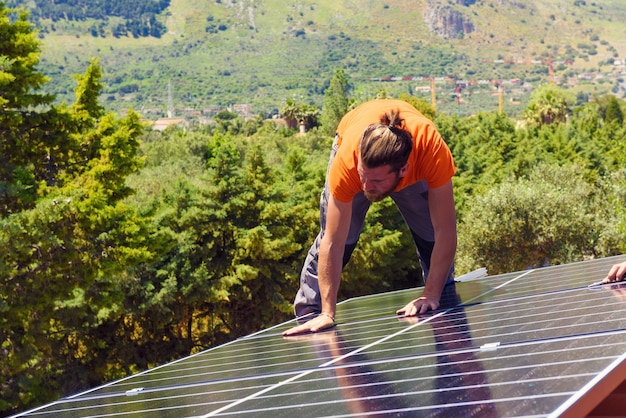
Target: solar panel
540	342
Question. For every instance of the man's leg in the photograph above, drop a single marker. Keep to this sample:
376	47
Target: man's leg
412	202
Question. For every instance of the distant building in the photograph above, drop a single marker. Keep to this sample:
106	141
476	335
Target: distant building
211	110
163	123
244	110
189	111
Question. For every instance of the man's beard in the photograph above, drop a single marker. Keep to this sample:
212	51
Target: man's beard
378	196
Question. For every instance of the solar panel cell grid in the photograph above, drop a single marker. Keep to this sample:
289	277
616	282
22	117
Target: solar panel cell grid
531	343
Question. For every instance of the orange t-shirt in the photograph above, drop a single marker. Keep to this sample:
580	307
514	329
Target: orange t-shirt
430	159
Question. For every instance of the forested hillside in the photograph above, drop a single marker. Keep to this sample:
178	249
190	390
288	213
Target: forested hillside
197	57
138	17
125	247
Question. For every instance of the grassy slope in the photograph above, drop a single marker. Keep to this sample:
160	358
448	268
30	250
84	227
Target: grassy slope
273	50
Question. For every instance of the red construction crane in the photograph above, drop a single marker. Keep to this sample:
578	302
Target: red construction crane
459	86
549	62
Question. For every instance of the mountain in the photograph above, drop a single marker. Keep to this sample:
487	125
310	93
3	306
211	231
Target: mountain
259	53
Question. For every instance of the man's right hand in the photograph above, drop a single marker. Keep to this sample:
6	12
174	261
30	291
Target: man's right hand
418	306
319	323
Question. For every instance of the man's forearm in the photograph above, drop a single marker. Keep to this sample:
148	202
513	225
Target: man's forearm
329	276
443	216
441	261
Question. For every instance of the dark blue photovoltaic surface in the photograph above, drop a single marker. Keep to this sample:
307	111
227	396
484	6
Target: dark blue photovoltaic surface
529	343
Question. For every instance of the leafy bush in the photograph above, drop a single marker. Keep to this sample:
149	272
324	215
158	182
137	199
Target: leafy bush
553	216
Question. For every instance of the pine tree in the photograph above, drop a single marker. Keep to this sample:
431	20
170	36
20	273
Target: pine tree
24	150
613	111
336	102
66	235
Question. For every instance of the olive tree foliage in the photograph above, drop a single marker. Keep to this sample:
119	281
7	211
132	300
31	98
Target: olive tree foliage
495	160
552	216
616	201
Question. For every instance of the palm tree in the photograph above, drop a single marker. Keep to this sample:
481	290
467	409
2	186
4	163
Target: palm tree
548	104
296	114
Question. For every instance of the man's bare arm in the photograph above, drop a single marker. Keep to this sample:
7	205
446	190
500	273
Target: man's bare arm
329	265
443	217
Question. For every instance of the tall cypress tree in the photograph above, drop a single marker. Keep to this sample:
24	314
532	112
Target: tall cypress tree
336	101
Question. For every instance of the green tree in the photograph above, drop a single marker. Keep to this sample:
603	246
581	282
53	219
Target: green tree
265	248
485	149
296	113
600	143
548	104
237	234
385	258
423	105
24	146
57	272
20	57
87	93
615	186
553	216
336	102
610	109
65	233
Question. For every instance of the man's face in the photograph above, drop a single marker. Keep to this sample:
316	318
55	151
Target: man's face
379	182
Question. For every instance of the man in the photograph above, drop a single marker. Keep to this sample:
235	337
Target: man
382	148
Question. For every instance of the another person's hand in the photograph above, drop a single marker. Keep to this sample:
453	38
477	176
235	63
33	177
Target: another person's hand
418	306
617	273
319	323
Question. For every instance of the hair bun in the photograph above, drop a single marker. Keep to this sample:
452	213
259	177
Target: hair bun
392	119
